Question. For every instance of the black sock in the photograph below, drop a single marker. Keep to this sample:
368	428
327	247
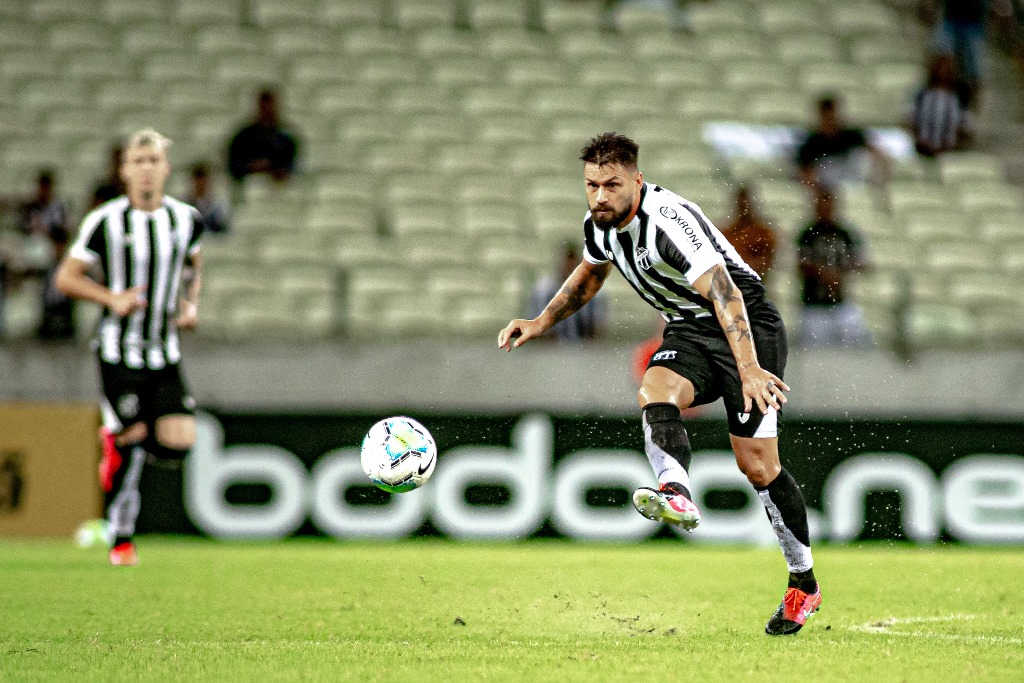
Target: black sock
118	540
787	512
667	445
805	581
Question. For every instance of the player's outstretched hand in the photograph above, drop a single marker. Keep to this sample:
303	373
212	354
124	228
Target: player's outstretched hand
127	302
518	332
763	388
188	315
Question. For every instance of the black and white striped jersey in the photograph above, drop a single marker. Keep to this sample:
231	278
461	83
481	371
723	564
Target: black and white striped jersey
134	247
664	250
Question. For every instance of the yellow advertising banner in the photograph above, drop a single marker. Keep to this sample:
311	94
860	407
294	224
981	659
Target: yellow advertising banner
48	460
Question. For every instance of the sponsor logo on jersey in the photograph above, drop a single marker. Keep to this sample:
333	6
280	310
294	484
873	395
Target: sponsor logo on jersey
643	257
663	355
691	234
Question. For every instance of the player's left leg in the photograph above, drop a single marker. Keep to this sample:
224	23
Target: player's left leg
758	459
174	428
175	436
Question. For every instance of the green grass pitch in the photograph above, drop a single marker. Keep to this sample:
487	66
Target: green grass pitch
431	610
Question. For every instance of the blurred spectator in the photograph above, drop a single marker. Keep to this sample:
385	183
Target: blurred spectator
586	323
939	119
111	186
58	312
828	157
8	271
828	253
215	210
960	32
45	215
750	234
263	146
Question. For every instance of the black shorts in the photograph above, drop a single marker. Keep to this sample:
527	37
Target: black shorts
705	358
131	396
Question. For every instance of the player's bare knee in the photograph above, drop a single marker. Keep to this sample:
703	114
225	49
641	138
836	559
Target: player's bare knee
758	461
132	434
176	432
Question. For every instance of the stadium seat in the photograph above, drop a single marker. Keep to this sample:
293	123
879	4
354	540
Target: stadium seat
227	40
117	96
64	124
753	75
46	95
808	48
461	72
508	130
907	197
397	156
867	107
606	73
558	16
47	11
582	46
724	47
97	65
718	17
972	167
492	218
174	66
555	100
374	42
944	257
999	228
976	290
641	20
924	228
206	12
509	253
708	104
81	35
788	17
529	160
488	100
502	45
341	218
124	12
871	50
939	325
631	103
277	13
446	42
421	99
352	13
356	250
422	218
28	65
899	79
536	72
858	18
680	74
818	77
652	49
424	14
490	14
774	107
34	153
145	39
440	129
467	158
1002	327
991	197
292	41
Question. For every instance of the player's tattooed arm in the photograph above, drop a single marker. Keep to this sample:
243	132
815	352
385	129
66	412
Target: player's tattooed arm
718	287
578	289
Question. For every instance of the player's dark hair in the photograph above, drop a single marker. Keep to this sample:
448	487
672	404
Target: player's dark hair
611	148
200	170
827	102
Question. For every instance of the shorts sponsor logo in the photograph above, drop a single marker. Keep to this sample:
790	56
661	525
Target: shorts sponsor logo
664	355
643	257
128	406
743	417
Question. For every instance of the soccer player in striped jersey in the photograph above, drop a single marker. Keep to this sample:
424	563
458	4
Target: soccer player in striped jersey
723	339
131	257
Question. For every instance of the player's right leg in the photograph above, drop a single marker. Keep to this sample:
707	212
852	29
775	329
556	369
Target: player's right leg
662	395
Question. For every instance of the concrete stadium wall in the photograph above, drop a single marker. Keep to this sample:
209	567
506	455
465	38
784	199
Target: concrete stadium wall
434	375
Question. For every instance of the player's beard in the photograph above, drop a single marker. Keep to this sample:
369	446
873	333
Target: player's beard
147	195
613	221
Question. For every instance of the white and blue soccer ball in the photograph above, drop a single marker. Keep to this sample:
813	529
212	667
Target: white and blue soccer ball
398	454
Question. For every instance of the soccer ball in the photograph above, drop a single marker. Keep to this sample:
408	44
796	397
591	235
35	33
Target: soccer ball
398	454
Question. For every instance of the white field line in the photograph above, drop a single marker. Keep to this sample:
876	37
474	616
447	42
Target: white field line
883	627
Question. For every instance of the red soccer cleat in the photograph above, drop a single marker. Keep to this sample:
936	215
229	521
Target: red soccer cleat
666	505
793	612
124	555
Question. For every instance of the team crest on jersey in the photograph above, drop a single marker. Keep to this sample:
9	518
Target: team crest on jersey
643	257
128	406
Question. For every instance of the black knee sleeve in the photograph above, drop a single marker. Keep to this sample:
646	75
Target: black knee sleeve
668	432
